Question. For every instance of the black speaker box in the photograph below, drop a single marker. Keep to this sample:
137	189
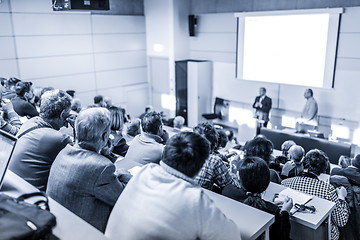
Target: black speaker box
192	24
59	5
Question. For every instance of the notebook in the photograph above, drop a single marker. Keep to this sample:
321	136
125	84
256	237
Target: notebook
297	197
7	144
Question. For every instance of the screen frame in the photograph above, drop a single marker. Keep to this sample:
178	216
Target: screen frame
331	49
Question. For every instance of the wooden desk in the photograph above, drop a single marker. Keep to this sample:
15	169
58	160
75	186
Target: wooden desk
68	225
251	221
307	226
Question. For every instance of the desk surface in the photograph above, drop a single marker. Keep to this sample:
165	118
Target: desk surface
323	208
68	225
251	221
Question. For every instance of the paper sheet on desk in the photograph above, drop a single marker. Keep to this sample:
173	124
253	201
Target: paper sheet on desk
134	170
297	197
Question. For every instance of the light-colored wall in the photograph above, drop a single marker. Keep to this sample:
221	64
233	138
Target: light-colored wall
216	41
92	54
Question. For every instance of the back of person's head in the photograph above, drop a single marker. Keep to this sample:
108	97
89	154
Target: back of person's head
186	152
53	103
316	161
296	153
92	127
45	89
179	121
254	176
286	146
148	109
71	93
222	138
151	122
134	128
108	102
356	161
116	117
76	105
259	147
310	91
12	81
21	88
98	99
209	132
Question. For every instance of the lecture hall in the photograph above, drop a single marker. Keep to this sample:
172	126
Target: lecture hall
179	119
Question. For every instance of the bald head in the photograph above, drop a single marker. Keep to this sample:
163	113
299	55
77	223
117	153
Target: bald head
296	153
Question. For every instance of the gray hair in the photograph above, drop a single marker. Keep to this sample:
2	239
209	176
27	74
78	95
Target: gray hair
53	102
90	125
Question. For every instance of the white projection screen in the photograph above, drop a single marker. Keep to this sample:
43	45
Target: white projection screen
288	47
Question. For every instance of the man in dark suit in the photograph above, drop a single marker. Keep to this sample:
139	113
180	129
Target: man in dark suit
262	105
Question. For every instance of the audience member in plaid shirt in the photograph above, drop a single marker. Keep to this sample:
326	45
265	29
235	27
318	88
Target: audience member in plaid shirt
315	163
214	170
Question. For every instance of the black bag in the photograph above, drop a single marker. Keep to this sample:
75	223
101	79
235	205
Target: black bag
22	220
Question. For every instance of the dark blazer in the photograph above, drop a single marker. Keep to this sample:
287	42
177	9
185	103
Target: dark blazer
84	182
23	107
352	173
263	111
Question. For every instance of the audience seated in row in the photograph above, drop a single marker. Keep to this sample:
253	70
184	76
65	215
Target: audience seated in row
9	119
21	102
117	140
315	162
293	167
351	174
83	180
254	177
163	202
263	148
148	146
39	139
214	170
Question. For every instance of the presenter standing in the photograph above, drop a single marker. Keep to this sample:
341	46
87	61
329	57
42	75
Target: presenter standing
309	112
262	105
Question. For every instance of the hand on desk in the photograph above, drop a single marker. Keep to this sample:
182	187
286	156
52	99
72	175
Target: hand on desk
286	204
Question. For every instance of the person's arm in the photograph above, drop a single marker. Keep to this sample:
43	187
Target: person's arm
108	187
290	165
313	110
222	174
341	212
256	103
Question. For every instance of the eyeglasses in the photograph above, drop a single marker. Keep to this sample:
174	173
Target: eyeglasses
303	208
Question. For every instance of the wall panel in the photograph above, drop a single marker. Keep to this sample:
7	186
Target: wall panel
32	68
119	42
8	68
79	83
46	46
52	24
121	77
118	60
118	24
7	48
6	28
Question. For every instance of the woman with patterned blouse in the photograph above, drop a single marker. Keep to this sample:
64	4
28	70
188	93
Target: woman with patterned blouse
315	163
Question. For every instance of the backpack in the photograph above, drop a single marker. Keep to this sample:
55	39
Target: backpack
22	220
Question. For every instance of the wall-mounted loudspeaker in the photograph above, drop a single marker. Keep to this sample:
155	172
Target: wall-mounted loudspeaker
192	25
